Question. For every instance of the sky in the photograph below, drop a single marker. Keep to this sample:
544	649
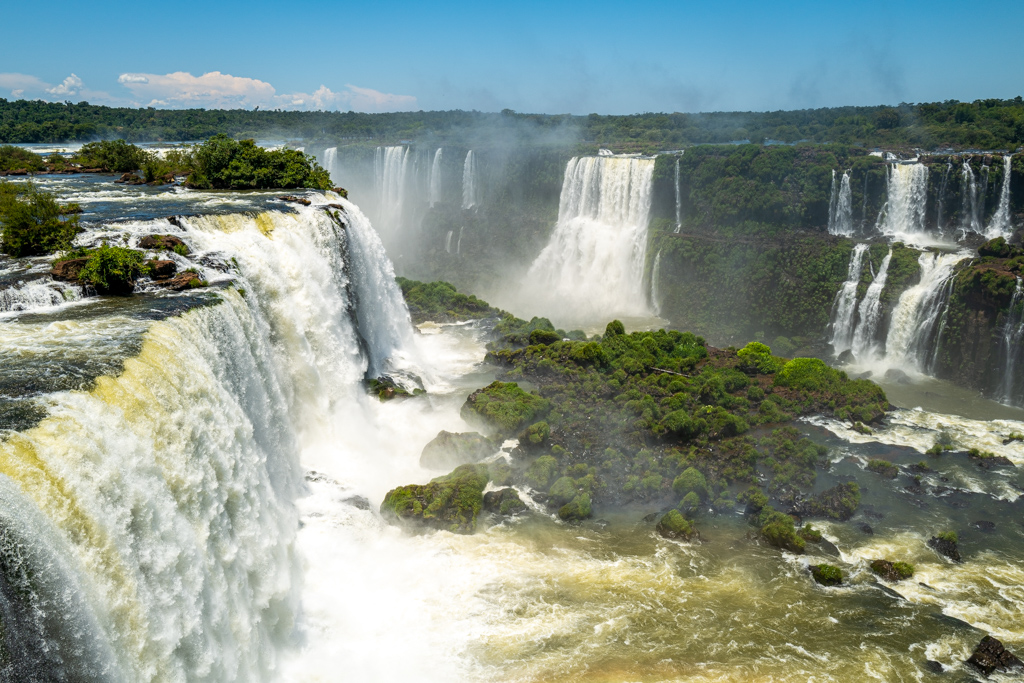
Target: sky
532	57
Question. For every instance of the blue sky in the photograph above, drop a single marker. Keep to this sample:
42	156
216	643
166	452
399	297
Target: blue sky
563	57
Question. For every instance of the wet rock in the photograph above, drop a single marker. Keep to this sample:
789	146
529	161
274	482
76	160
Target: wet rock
451	502
933	666
946	544
673	525
862	428
340	190
162	270
846	357
357	502
451	449
896	375
892	571
866	528
164	243
838	502
576	510
130	179
826	574
186	279
504	502
651	517
295	200
988	461
68	270
984	525
991	655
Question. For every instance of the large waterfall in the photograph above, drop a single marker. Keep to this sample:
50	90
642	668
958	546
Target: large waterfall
390	166
593	265
1010	391
152	519
434	181
840	206
469	182
865	337
903	216
1000	225
845	307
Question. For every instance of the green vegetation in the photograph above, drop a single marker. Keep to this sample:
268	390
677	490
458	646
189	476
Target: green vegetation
440	302
884	468
779	530
32	222
504	406
225	164
17	159
948	537
674	525
113	270
451	502
116	156
838	502
892	571
810	534
826	574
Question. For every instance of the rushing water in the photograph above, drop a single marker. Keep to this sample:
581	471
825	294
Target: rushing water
845	307
679	201
903	216
865	344
840	206
1000	226
391	174
1013	334
434	180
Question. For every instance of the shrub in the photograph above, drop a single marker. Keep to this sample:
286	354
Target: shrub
780	531
757	357
691	481
827	574
113	270
563	491
541	471
690	502
884	468
117	156
16	158
808	374
505	405
577	509
225	164
32	222
948	536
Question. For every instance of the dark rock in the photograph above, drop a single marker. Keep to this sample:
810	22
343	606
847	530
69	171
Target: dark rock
295	200
186	279
946	547
504	502
651	517
838	502
984	525
989	462
866	528
175	221
826	574
162	270
897	376
357	502
130	179
674	525
846	357
933	666
991	655
163	243
451	502
449	449
577	509
342	191
68	270
892	571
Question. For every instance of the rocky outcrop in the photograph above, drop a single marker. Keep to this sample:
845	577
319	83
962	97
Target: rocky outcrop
674	526
838	502
505	502
450	449
826	574
990	655
946	544
164	243
295	200
451	502
68	270
892	571
162	270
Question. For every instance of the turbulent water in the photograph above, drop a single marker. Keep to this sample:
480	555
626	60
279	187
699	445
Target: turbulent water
903	217
190	493
869	315
593	265
1000	226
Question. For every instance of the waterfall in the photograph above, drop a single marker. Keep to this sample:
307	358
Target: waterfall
1013	334
655	284
915	322
448	242
1000	225
593	264
148	525
970	214
434	181
390	165
941	205
679	201
843	320
469	190
869	313
458	244
840	207
330	160
37	295
903	215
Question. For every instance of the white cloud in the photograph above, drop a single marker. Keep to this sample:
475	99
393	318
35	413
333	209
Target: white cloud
21	83
211	90
69	87
72	87
369	100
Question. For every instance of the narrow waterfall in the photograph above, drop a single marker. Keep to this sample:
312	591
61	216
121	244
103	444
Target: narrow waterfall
1010	389
390	166
655	284
970	212
434	181
915	322
865	345
448	242
593	265
679	201
840	207
469	189
903	215
330	161
845	307
153	518
458	244
1000	225
940	219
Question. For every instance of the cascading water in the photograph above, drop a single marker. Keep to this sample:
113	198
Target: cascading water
903	216
1000	225
845	307
469	190
865	345
1010	390
434	182
37	295
331	161
915	322
840	208
941	200
448	242
593	265
679	201
655	284
390	171
458	243
970	211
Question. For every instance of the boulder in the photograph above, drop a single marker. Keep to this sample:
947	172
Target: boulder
162	270
946	544
341	191
984	525
295	200
451	449
68	270
504	502
163	243
898	376
826	574
991	655
892	571
838	502
186	279
673	525
451	502
576	510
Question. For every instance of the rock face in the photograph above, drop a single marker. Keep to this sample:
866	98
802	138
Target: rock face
673	525
186	279
295	200
161	270
945	546
505	502
450	449
991	655
68	270
451	502
164	243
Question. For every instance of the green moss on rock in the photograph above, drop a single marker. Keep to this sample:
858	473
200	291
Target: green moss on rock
504	406
451	502
674	525
826	574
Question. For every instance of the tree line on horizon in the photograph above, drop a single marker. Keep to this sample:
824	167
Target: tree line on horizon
990	124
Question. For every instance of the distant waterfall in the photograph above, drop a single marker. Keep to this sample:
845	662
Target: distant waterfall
1000	225
458	243
1010	389
434	181
840	206
469	189
390	165
941	199
448	242
330	161
845	307
915	322
865	345
679	201
970	209
903	215
655	284
593	265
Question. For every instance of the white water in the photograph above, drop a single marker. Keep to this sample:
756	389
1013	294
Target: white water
37	295
679	201
840	207
330	161
655	284
970	210
390	173
1000	225
469	189
910	343
593	265
902	217
434	181
865	345
1013	335
845	307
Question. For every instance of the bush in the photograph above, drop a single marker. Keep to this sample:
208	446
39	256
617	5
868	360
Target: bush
827	574
690	502
808	374
779	530
117	156
691	481
757	357
224	164
505	406
948	537
32	222
113	270
884	468
15	159
563	491
577	509
541	471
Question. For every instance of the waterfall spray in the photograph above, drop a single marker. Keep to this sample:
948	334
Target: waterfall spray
1013	334
434	181
840	208
970	214
655	284
1000	225
941	204
903	216
469	190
